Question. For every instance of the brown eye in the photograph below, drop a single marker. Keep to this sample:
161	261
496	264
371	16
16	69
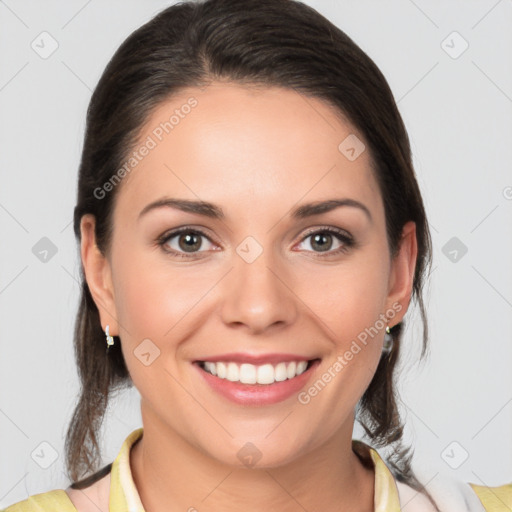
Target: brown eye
322	240
188	241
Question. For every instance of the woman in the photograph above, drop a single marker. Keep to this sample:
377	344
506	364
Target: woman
252	234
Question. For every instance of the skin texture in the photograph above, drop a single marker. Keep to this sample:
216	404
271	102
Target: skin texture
257	154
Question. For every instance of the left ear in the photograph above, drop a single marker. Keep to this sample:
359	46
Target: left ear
401	276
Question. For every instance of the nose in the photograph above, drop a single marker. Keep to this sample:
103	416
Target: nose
258	296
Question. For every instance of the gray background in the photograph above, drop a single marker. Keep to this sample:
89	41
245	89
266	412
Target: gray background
457	108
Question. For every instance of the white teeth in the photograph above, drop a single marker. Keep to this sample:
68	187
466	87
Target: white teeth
265	374
280	372
301	367
221	370
247	374
251	374
290	371
232	373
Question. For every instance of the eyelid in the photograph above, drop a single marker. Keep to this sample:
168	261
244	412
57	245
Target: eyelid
329	229
344	237
172	233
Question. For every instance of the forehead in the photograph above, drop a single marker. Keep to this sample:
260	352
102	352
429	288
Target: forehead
230	143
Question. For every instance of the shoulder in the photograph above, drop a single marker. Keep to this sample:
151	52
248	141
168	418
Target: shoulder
81	498
451	494
495	499
92	498
50	501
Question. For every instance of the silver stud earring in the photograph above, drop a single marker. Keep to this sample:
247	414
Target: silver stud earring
387	346
110	339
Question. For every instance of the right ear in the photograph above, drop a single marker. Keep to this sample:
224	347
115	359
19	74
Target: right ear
98	274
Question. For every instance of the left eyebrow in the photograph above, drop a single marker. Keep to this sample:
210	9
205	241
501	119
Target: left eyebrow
215	212
310	209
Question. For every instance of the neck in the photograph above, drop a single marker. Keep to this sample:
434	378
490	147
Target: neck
171	474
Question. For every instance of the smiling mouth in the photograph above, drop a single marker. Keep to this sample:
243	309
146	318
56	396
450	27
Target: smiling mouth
265	374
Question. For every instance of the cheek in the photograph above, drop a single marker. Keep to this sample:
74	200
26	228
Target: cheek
350	305
349	297
152	294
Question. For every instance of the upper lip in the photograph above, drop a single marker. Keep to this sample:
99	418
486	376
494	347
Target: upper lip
259	359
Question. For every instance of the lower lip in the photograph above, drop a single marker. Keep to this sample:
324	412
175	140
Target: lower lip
258	394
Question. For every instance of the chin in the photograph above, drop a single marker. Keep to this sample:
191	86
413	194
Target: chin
256	452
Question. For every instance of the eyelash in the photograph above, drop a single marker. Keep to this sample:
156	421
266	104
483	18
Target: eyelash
347	241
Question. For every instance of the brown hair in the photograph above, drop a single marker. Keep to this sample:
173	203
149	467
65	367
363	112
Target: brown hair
282	43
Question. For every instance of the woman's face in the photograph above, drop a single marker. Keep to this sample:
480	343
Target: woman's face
260	283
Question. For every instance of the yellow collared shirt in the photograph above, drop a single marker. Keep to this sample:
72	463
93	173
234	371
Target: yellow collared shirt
390	495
